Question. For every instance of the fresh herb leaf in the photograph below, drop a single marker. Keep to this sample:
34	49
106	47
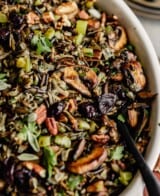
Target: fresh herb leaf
29	132
74	181
50	160
43	44
27	157
32	139
117	153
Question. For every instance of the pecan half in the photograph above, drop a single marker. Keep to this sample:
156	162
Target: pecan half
103	139
41	113
32	18
48	17
133	117
90	162
51	126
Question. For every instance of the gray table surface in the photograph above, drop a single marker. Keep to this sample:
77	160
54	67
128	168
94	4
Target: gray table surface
152	27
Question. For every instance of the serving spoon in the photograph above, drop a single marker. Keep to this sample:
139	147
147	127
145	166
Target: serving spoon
152	183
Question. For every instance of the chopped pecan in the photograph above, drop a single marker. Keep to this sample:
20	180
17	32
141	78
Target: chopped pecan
48	17
146	95
90	162
83	15
35	167
97	187
51	126
93	23
117	77
103	139
70	9
72	78
41	113
72	105
132	117
32	18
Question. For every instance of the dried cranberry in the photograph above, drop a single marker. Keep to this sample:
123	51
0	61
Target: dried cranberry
22	177
106	102
4	36
88	110
7	169
56	109
16	19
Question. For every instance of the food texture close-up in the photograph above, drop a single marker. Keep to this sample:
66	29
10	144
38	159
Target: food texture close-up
68	72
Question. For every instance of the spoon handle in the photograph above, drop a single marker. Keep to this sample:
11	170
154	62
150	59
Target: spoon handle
152	183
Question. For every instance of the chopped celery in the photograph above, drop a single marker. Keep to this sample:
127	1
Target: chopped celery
108	29
125	177
88	52
49	34
38	2
25	63
44	141
93	127
3	18
81	27
83	125
89	4
121	118
78	39
63	140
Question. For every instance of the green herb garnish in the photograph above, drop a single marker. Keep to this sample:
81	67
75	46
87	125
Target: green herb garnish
43	44
49	160
74	181
117	153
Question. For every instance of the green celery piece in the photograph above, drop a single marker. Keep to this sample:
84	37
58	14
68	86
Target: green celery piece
3	18
125	177
44	141
117	153
74	181
63	140
35	40
81	26
78	39
109	29
88	52
121	118
49	34
50	160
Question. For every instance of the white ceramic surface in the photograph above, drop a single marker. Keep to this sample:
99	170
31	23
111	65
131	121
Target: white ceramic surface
147	55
